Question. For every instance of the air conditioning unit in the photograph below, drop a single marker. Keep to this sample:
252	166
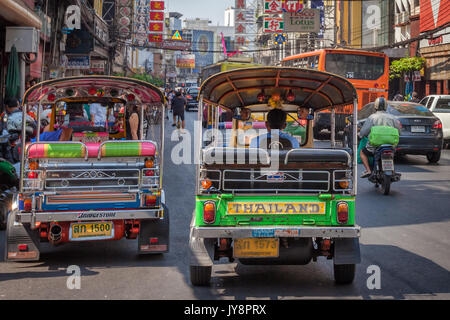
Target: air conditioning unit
26	39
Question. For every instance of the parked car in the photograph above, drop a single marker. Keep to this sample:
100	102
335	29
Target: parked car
192	97
440	106
421	132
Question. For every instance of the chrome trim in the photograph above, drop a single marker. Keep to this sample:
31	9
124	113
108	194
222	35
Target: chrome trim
304	232
348	179
317	149
49	216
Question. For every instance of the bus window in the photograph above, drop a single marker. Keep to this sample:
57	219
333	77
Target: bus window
355	66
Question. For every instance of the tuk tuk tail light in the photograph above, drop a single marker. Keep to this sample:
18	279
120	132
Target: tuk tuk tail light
209	212
149	163
151	201
27	205
33	165
342	212
33	175
206	184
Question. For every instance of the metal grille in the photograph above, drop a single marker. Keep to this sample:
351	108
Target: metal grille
257	180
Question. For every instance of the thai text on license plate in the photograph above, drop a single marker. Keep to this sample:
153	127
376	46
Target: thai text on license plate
256	248
387	164
91	231
417	129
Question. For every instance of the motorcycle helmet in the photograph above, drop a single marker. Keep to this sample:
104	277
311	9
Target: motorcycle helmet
380	104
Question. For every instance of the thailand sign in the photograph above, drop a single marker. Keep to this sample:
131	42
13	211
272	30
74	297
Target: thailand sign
306	21
186	61
273	24
176	44
78	62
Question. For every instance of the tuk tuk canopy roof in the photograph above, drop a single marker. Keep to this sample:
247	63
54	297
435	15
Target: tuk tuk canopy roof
95	88
312	89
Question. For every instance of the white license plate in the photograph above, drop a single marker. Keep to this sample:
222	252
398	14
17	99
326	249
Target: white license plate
417	129
387	165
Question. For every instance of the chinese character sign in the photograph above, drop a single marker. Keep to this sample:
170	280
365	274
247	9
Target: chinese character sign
156	24
240	22
273	24
272	6
141	20
292	5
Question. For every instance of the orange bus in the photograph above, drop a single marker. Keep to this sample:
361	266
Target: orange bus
367	71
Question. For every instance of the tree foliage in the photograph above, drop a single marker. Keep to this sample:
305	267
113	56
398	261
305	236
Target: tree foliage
404	66
147	78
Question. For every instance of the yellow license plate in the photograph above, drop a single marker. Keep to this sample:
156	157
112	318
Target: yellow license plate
88	231
256	248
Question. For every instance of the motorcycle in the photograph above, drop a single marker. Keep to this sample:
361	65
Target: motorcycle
383	173
9	181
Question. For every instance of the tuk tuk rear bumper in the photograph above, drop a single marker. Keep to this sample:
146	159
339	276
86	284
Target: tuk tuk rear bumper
285	232
202	240
47	216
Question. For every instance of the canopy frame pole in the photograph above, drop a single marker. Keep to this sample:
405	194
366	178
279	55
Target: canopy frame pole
235	90
312	94
355	144
333	127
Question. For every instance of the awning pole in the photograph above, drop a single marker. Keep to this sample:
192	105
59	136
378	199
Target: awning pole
333	127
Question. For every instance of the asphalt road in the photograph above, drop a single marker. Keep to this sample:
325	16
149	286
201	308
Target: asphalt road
406	234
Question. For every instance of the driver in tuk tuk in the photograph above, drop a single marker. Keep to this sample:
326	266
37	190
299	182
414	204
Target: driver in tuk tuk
276	121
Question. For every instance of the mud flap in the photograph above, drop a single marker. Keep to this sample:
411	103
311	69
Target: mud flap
22	243
201	250
346	251
154	235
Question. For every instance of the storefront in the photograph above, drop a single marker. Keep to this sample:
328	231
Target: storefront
436	49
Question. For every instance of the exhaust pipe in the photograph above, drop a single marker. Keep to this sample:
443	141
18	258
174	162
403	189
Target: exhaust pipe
55	234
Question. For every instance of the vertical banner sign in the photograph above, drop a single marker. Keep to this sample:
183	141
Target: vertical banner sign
156	25
203	46
141	20
240	22
123	18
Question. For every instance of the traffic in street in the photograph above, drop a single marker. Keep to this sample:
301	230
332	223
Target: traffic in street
404	234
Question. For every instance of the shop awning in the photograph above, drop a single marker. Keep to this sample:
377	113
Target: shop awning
13	12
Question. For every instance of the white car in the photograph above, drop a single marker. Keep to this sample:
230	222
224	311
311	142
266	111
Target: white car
440	106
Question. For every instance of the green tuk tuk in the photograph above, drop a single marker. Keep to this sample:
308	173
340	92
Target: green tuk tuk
279	202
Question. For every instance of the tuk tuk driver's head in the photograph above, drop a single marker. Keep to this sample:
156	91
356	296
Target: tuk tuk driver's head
275	123
276	119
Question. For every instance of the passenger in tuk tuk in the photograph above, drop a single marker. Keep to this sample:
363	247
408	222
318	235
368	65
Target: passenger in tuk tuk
133	122
276	121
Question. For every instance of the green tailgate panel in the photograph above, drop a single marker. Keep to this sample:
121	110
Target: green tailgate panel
238	211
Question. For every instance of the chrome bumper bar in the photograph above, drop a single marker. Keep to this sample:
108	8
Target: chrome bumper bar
269	232
28	217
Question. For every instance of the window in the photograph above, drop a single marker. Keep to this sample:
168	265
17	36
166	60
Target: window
443	104
424	101
355	66
430	102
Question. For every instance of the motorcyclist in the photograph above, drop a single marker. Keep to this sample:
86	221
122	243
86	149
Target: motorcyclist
13	118
379	118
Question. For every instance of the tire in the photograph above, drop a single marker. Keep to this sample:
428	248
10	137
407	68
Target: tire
200	275
344	273
386	185
433	157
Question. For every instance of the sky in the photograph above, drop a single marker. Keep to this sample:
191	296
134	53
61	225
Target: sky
213	10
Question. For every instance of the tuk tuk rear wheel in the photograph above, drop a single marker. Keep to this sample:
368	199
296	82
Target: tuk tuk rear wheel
344	273
200	275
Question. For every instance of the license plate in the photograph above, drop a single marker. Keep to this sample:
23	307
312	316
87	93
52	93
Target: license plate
91	231
256	248
417	129
387	165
